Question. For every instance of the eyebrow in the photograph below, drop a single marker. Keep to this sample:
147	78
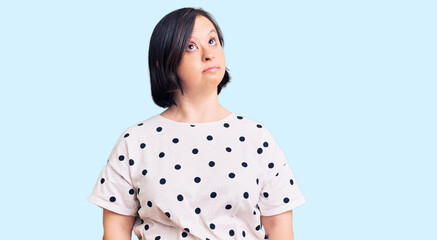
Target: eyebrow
212	30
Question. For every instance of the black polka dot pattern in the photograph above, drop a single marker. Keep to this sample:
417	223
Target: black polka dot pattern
162	181
246	195
197	173
180	198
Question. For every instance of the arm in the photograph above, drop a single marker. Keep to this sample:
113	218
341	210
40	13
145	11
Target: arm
279	227
117	226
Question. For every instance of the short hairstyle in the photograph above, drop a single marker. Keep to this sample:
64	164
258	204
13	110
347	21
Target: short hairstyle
167	46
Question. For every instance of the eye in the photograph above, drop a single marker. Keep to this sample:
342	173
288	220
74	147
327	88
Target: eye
191	47
212	41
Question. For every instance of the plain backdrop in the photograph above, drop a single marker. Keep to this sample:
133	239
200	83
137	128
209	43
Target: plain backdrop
348	89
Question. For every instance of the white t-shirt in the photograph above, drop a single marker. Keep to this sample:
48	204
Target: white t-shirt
208	180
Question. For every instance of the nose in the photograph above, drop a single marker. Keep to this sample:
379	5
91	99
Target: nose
207	55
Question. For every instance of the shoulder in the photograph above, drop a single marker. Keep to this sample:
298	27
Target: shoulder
140	128
252	125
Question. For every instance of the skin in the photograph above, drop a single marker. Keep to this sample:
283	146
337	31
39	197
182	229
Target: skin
117	226
198	104
200	100
279	227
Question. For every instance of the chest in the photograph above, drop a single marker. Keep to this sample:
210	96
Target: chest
215	178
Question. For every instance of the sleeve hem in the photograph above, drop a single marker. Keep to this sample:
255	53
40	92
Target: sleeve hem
296	203
110	207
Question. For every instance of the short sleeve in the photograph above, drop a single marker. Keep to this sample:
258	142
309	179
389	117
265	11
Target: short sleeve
280	191
114	189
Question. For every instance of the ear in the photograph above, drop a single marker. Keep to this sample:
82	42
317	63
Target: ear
157	65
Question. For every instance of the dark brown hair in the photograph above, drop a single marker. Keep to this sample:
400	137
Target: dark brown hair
167	46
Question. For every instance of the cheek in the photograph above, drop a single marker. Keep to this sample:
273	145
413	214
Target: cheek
221	55
222	60
183	73
187	69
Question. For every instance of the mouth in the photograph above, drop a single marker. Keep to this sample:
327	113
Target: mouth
210	69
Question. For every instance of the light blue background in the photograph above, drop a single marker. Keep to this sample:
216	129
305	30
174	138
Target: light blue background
348	88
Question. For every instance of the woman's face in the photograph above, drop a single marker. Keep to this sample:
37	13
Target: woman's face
202	66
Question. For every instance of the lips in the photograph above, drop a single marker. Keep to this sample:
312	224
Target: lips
210	69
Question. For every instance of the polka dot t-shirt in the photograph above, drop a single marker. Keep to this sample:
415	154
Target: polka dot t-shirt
208	180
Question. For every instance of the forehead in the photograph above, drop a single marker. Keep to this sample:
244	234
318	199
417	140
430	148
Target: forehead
202	26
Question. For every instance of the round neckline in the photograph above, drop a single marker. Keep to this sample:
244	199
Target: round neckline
201	123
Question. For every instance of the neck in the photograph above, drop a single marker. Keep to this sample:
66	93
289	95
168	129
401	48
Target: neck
191	109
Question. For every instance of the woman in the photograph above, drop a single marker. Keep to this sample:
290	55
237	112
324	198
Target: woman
197	170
